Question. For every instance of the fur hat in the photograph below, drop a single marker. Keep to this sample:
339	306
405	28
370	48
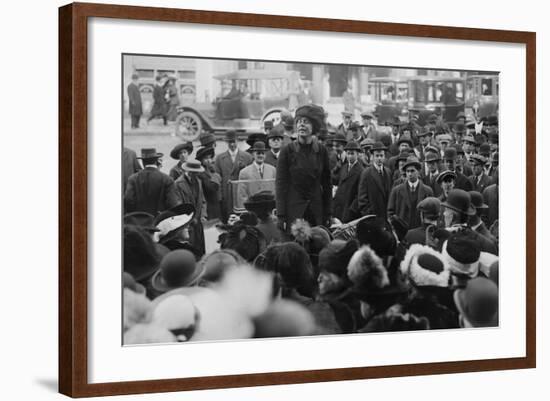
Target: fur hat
375	232
425	266
462	251
335	257
366	270
247	241
315	114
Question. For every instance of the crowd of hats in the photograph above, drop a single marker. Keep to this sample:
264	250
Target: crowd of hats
355	278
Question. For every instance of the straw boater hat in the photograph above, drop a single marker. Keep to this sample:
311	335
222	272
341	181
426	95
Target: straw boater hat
175	153
425	267
192	166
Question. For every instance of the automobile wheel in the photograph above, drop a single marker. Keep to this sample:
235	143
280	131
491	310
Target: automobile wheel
274	115
188	126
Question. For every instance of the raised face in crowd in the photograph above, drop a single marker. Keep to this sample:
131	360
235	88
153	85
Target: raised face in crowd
232	145
338	147
184	155
259	156
412	174
468	147
400	164
395	129
424	140
378	157
477	168
447	184
404	146
449	164
207	162
303	127
347	120
352	155
448	217
275	144
432	166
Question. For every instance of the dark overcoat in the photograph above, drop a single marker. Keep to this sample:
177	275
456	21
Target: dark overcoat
303	187
400	203
432	183
134	97
482	183
463	182
374	191
130	165
189	190
490	196
271	159
211	186
159	102
345	206
150	191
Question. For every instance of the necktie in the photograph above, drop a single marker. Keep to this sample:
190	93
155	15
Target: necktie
261	173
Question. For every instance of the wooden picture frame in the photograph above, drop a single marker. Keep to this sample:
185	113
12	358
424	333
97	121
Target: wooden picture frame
73	198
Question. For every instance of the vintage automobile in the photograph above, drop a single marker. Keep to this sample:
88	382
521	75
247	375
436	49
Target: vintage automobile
440	95
390	96
248	98
481	95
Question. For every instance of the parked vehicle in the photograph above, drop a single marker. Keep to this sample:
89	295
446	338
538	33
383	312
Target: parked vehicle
248	98
390	96
481	95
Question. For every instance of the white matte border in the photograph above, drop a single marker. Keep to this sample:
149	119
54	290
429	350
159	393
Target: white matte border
109	361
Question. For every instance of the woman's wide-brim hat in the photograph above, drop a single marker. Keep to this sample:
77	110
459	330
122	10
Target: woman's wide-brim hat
175	153
204	152
150	153
192	166
172	220
264	199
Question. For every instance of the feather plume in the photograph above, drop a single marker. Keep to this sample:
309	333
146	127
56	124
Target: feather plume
366	269
300	230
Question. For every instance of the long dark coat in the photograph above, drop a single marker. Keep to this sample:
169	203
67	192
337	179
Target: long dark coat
189	190
345	205
134	97
150	191
230	171
303	187
482	184
400	203
462	182
211	186
374	192
130	165
490	196
271	159
159	103
432	183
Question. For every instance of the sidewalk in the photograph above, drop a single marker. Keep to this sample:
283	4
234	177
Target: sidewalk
154	127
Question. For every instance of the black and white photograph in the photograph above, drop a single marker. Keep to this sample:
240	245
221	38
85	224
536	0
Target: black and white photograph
268	199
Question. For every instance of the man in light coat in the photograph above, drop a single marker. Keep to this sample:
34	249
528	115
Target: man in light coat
259	173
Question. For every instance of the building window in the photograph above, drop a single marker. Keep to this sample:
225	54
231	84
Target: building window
145	73
242	64
186	74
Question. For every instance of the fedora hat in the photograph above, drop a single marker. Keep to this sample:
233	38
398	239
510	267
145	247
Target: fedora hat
175	153
477	200
468	138
449	154
378	146
346	114
478	159
405	139
352	145
339	138
367	115
230	136
412	161
207	138
276	132
192	166
401	156
443	175
432	157
256	137
259	146
423	132
459	201
396	121
431	148
150	153
178	268
367	143
204	152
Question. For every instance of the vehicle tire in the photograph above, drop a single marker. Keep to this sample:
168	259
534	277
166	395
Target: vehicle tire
273	115
188	126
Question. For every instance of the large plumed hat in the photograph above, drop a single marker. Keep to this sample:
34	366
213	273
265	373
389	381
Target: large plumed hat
140	255
425	266
246	240
367	271
316	114
171	221
335	257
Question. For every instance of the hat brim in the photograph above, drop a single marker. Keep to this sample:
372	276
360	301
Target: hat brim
193	170
415	164
158	283
459	297
157	156
175	153
470	212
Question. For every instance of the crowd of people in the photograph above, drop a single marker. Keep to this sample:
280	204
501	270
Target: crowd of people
345	229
